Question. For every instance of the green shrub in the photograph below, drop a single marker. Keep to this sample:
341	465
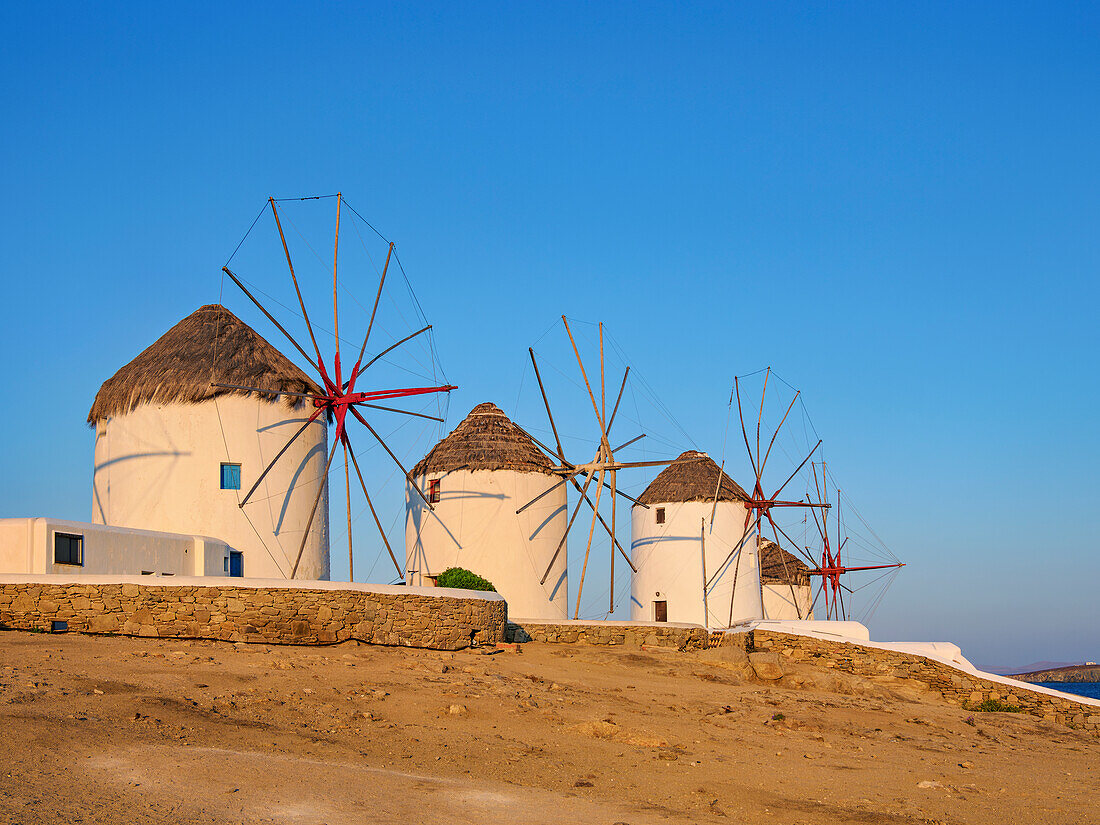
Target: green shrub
462	579
994	706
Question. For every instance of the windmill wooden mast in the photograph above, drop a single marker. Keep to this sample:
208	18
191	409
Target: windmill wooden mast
339	396
603	468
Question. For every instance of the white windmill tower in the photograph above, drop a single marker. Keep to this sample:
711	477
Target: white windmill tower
172	451
475	480
694	554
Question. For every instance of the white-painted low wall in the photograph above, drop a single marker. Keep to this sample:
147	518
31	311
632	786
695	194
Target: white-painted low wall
27	547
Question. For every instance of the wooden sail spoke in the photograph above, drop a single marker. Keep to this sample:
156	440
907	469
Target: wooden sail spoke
370	504
271	318
546	403
735	550
786	571
610	530
335	289
374	309
347	490
294	278
385	352
794	544
626	444
744	432
771	444
396	460
588	548
566	466
543	494
568	527
278	455
587	385
313	510
759	418
403	412
614	540
615	409
800	466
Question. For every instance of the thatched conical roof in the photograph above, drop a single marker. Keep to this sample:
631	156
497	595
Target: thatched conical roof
486	439
772	558
693	476
180	366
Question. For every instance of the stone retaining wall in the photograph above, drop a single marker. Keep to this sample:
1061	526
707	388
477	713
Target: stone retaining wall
292	614
682	637
956	686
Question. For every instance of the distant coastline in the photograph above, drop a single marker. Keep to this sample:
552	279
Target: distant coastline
1071	673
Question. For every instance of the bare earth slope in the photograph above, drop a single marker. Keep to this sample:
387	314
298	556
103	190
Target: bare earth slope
112	729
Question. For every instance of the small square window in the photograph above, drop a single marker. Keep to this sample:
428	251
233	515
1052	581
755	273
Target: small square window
68	549
231	476
660	515
433	491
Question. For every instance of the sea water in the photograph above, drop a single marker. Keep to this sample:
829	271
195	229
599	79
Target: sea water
1090	689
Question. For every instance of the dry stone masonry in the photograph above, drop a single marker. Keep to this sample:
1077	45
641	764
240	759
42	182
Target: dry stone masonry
957	687
682	637
282	615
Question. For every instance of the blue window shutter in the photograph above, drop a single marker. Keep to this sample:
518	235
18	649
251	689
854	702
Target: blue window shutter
231	476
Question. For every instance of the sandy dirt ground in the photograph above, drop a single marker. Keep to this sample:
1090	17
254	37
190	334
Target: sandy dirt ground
122	730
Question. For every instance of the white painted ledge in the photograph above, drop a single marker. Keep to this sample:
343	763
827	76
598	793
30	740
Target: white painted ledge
250	584
599	623
943	652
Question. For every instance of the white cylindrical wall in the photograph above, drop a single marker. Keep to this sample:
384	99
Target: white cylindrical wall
669	559
475	526
778	604
159	468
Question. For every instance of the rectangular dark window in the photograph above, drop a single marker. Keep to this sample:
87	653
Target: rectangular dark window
433	491
68	549
660	515
236	564
231	476
660	611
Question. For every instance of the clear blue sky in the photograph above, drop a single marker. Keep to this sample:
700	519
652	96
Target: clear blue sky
895	205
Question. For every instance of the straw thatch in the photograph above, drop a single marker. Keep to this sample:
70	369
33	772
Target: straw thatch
772	557
693	476
485	440
179	367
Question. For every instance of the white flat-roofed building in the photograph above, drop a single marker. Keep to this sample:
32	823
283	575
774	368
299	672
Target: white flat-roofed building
57	546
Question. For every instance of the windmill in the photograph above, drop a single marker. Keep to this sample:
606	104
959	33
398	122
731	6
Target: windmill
341	392
603	467
759	505
832	566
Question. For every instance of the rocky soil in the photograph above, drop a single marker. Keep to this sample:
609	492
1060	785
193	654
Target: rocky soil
113	729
